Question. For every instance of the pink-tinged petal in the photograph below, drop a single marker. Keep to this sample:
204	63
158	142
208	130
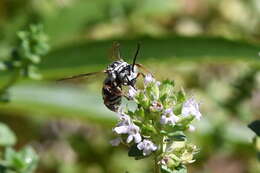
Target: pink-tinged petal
121	130
129	138
147	147
138	138
163	120
148	79
168	111
140	146
115	142
132	92
192	128
174	118
191	107
146	152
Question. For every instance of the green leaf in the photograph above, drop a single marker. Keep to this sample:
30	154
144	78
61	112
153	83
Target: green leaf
5	97
177	136
13	160
59	100
152	91
135	152
181	96
255	126
165	169
24	161
179	169
30	159
7	137
76	58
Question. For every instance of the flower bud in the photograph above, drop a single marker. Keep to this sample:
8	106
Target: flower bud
153	91
166	88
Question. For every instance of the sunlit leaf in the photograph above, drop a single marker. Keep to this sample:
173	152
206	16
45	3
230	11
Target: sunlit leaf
7	137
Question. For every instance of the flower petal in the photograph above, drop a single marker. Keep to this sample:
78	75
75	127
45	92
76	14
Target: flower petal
121	130
115	142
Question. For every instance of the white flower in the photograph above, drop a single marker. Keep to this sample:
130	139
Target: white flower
147	147
116	141
124	119
126	126
191	107
132	92
156	106
169	117
191	128
133	134
148	79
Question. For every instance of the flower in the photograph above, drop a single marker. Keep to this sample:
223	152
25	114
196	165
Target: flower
126	126
169	117
191	107
132	92
147	147
116	141
124	119
133	134
156	106
191	128
148	79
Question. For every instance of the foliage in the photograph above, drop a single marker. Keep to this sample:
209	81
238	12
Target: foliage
255	126
24	57
23	161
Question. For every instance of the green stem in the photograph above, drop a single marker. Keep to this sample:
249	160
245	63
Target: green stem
156	166
13	79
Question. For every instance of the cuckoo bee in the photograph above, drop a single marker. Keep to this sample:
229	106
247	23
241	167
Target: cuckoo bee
118	74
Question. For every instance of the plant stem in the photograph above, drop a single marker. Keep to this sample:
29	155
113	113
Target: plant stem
13	79
156	166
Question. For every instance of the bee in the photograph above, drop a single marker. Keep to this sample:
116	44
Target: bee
118	74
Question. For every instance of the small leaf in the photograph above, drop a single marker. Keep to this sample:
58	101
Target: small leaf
165	169
24	161
135	152
7	137
177	136
30	158
152	91
181	96
4	98
255	126
179	169
166	88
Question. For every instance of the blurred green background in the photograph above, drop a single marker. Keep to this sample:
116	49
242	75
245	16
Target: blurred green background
209	47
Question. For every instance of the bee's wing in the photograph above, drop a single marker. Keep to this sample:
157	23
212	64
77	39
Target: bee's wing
114	53
84	75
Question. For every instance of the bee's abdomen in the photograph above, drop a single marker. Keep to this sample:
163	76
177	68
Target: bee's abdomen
112	97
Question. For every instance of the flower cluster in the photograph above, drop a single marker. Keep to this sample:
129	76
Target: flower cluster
156	127
22	62
32	44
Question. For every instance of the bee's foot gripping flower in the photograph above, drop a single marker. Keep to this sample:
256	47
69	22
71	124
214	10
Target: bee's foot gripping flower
157	126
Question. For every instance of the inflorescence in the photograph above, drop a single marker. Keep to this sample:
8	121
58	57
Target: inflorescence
156	127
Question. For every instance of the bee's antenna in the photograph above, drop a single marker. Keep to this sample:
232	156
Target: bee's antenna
118	50
136	53
116	53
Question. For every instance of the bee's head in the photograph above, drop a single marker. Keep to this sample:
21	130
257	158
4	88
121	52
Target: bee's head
132	72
